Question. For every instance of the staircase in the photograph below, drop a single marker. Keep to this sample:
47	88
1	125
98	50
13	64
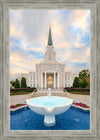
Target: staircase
54	92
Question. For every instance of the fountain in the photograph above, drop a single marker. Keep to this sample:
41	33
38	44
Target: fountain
49	92
49	106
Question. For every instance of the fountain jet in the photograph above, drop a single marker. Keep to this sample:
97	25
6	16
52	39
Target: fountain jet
49	92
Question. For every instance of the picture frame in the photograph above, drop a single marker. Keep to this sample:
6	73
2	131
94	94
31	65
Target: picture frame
6	133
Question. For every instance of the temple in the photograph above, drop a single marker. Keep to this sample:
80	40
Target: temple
50	73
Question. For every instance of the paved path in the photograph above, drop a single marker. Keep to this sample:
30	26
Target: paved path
15	99
80	98
21	98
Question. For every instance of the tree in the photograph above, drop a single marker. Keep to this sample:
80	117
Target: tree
76	82
84	73
12	83
16	84
23	82
88	81
84	83
81	84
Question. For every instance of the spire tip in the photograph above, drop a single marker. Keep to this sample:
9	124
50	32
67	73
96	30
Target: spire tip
49	25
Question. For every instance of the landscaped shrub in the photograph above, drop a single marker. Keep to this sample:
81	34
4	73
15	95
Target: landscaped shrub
23	82
76	82
17	105
84	93
81	104
16	84
64	90
16	90
69	89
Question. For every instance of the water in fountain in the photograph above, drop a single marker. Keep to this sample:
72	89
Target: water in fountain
49	106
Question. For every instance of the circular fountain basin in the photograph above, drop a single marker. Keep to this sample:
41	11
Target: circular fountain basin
49	107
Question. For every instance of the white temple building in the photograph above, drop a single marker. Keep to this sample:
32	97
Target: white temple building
50	73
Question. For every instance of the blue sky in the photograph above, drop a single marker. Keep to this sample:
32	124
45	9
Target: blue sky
29	36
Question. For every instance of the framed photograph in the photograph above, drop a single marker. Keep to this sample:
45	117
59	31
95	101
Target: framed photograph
49	70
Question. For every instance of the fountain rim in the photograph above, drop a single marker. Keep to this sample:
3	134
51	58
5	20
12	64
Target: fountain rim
43	106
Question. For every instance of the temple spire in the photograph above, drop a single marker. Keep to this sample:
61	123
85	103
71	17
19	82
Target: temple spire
50	37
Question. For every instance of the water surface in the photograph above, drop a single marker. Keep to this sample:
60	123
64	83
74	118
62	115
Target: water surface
72	119
50	101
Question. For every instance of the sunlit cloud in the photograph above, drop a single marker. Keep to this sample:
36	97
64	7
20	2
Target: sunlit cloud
28	38
79	18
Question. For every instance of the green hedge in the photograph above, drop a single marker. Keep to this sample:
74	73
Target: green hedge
15	90
81	93
69	89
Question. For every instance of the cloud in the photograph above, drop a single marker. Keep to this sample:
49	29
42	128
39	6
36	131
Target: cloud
79	19
14	32
29	35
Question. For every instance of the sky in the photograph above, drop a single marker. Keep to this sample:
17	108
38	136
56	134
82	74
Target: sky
29	35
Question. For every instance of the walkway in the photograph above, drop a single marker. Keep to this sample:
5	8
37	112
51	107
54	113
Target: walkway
77	97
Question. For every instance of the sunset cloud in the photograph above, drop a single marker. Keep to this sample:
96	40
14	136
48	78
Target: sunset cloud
29	35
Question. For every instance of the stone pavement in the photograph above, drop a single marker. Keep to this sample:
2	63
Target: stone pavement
80	98
77	98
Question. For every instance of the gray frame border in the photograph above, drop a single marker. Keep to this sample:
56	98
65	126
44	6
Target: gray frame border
94	132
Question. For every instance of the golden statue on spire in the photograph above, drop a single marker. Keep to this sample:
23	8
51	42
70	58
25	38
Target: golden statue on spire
49	25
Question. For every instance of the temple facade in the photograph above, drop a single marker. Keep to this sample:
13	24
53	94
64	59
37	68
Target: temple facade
50	73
